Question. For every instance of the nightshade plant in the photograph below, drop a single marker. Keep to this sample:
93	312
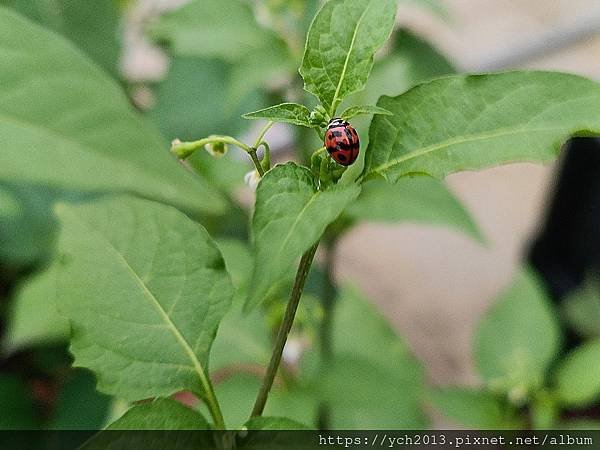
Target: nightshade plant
143	285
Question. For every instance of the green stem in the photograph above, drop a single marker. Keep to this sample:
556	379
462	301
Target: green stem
256	161
184	150
262	133
214	407
284	330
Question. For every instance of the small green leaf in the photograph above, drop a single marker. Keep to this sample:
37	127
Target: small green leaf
340	46
274	423
286	112
471	122
354	111
472	408
518	339
144	288
69	126
290	216
160	414
33	317
419	200
211	28
577	377
582	307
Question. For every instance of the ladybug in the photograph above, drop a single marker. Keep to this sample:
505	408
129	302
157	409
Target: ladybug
341	142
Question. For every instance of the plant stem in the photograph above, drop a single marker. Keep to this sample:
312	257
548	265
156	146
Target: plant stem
262	133
214	407
284	330
256	161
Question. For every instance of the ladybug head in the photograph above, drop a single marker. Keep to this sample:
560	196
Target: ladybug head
336	122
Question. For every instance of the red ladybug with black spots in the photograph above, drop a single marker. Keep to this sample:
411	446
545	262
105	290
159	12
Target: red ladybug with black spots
341	142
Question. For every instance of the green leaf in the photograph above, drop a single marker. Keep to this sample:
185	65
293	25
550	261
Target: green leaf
79	405
419	200
94	28
340	46
211	28
33	318
354	111
577	377
390	402
27	226
144	288
286	112
518	338
274	423
472	408
366	348
476	121
67	125
290	216
242	339
582	307
160	414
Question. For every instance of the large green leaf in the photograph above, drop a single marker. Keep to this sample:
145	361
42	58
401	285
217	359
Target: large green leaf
63	123
94	27
365	349
518	338
420	199
577	377
291	215
211	28
473	408
144	288
340	46
471	122
582	307
33	317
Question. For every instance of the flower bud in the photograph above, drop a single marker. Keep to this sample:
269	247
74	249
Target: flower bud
216	149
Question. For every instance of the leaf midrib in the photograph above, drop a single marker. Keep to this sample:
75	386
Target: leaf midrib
456	141
345	68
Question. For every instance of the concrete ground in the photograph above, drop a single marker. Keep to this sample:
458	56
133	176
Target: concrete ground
433	284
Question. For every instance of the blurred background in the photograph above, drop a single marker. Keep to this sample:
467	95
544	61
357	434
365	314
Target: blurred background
434	285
